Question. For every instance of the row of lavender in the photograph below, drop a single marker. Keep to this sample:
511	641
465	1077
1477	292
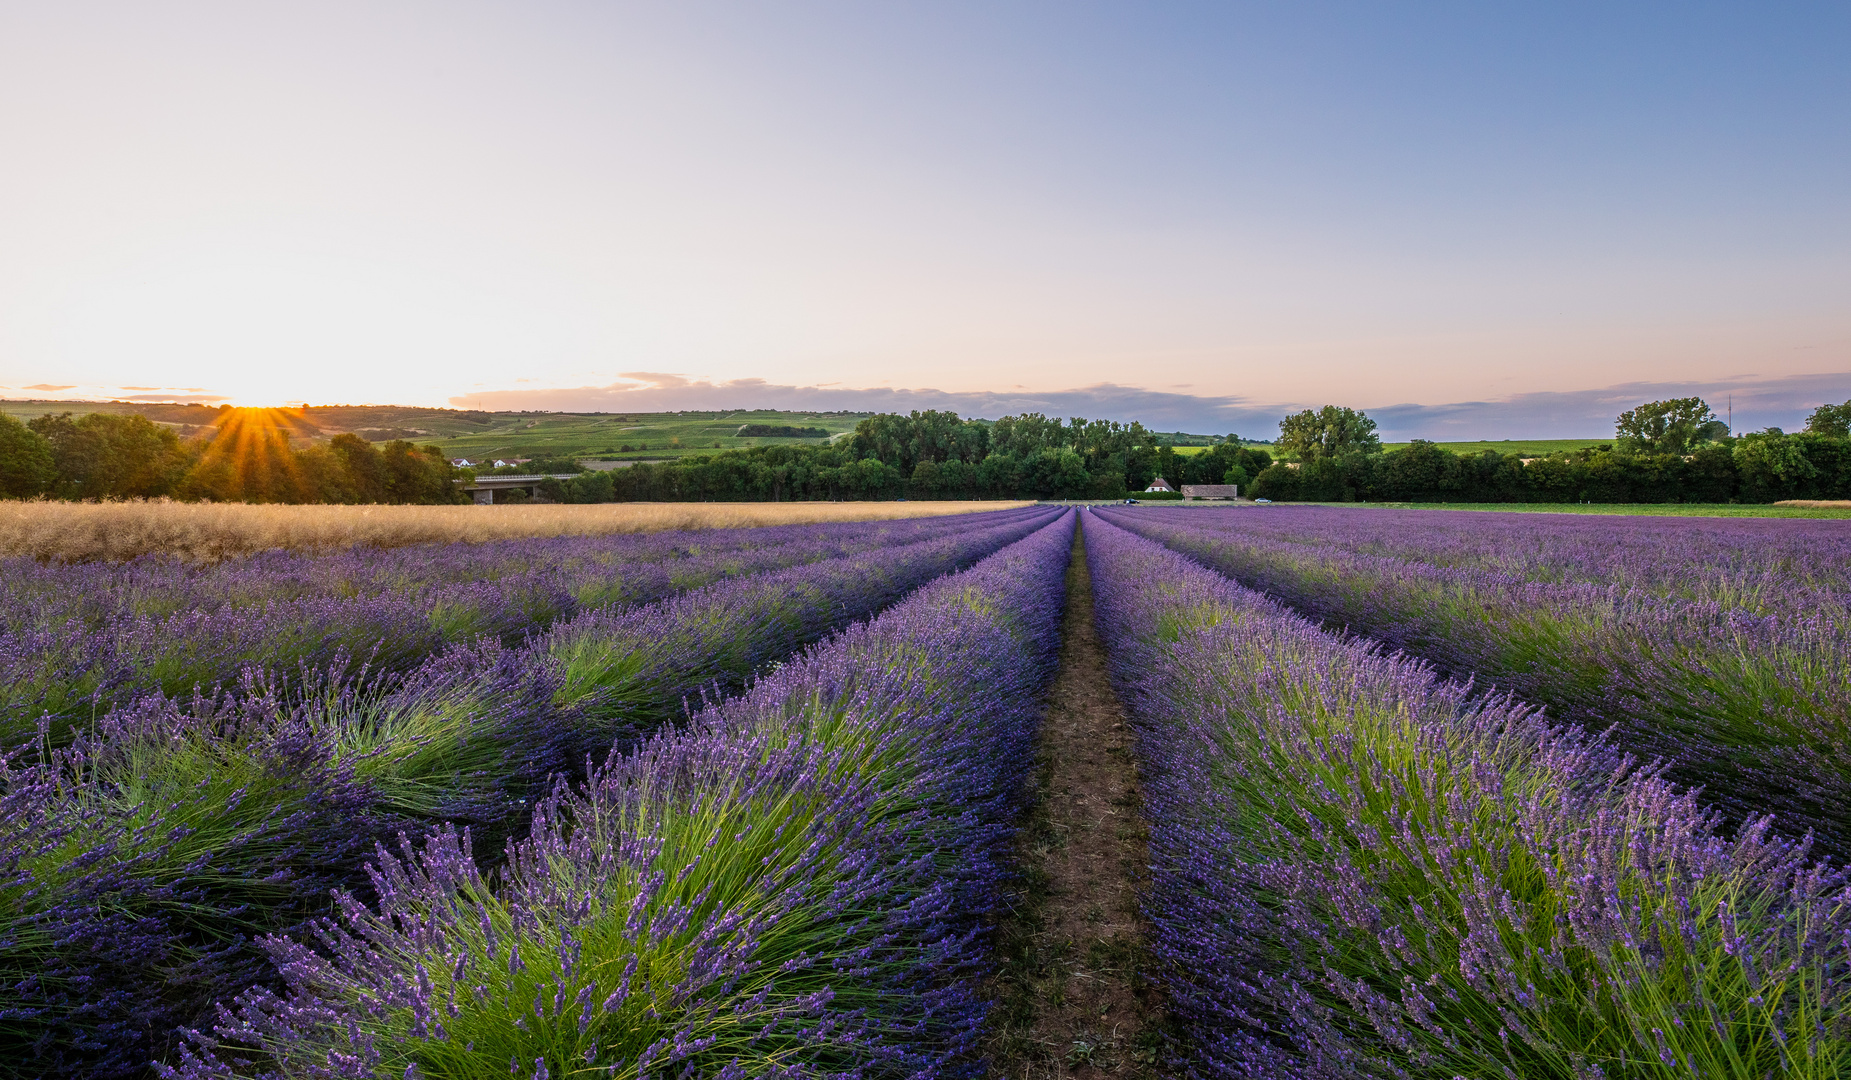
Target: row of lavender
1362	870
588	567
1767	566
792	885
1754	708
76	641
139	863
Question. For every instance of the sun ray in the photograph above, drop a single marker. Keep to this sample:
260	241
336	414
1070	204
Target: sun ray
249	455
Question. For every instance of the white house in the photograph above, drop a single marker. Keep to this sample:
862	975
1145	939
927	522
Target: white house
1160	484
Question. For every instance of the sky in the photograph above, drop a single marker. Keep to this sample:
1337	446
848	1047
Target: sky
1470	220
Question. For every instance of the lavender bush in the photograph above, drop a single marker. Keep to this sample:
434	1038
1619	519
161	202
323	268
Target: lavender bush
136	863
794	885
148	852
625	672
1754	708
76	641
471	735
1765	566
1362	870
591	570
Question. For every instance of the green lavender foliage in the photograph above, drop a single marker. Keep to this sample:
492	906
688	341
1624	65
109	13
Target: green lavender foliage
1364	870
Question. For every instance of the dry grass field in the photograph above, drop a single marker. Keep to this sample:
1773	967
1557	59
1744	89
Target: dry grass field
1817	504
207	532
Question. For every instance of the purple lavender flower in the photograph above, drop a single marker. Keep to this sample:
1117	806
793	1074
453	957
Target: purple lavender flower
1362	869
147	854
1752	705
76	641
793	884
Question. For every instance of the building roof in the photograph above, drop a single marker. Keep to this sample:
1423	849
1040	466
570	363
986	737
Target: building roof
1160	484
1211	491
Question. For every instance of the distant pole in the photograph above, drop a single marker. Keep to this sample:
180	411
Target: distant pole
1731	412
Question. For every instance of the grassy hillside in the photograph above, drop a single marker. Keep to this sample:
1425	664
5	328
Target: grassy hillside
1185	451
470	434
633	436
649	436
184	418
1526	447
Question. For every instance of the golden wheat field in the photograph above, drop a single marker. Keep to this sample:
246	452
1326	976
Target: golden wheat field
207	532
1817	504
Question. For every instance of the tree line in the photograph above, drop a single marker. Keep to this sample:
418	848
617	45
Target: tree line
931	455
1663	452
247	458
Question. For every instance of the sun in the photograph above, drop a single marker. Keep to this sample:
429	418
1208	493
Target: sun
248	454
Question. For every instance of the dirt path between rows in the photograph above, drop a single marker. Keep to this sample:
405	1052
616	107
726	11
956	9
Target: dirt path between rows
1070	999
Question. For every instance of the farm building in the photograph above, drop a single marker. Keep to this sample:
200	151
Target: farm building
1160	484
1211	491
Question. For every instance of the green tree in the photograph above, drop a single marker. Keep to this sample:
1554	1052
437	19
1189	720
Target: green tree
362	467
1672	426
905	441
1058	473
100	456
1415	471
1328	432
999	475
1106	444
1277	481
1028	434
924	484
26	467
419	474
1833	421
956	479
1772	465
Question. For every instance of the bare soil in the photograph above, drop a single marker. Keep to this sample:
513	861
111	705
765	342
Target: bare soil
1071	1001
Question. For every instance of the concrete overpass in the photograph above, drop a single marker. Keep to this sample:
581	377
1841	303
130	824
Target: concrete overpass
485	487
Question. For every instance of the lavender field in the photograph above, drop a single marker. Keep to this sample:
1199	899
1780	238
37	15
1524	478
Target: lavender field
1425	797
1364	869
1721	647
206	765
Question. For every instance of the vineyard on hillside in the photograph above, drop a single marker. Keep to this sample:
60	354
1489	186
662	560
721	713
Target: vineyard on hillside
1426	795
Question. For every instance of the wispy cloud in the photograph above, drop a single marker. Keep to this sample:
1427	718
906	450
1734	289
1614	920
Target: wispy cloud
178	399
182	395
1759	402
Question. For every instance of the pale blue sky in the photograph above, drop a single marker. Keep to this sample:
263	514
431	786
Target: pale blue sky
1227	209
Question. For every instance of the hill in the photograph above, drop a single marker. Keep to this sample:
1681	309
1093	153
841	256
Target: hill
608	436
471	434
1525	447
638	436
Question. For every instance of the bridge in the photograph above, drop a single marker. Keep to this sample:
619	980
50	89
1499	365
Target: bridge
485	487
